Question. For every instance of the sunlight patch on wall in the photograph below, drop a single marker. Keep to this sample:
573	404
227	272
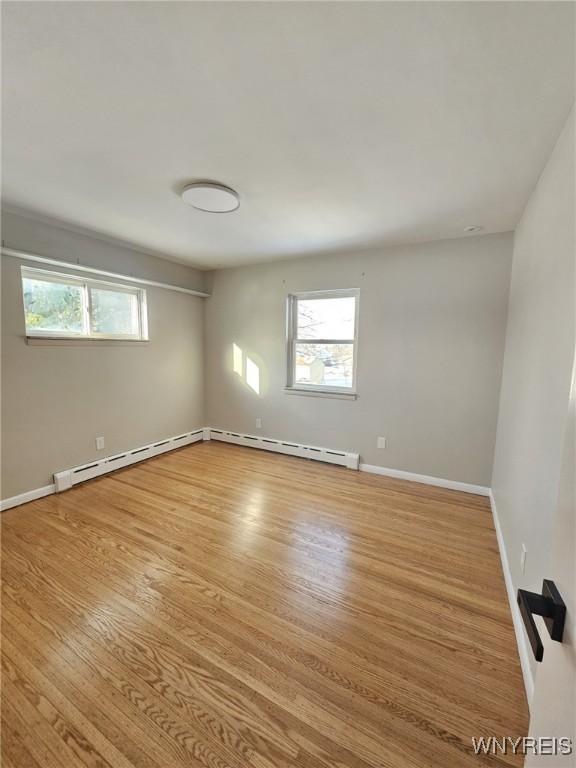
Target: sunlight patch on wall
246	368
252	375
237	356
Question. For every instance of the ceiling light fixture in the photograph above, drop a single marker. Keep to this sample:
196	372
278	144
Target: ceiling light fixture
211	197
473	228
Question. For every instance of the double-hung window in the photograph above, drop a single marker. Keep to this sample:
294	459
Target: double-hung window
65	306
322	339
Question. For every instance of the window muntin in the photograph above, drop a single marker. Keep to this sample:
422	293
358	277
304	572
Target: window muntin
65	306
322	338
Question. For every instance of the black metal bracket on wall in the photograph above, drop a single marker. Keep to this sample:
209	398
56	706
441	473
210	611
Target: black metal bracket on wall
550	606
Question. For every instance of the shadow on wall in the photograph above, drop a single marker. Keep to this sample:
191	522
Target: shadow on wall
247	369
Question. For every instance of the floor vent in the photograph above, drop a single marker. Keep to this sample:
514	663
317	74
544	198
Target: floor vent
350	460
70	477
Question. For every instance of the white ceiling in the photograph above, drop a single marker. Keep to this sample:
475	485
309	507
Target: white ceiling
340	124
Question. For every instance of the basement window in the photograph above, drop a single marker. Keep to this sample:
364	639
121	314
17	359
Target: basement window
61	306
322	336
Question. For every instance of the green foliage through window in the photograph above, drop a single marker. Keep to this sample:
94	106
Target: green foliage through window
62	305
53	306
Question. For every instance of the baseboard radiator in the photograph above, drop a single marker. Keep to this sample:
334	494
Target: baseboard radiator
345	459
69	477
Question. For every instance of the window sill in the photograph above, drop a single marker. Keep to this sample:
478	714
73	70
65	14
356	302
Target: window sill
67	341
321	393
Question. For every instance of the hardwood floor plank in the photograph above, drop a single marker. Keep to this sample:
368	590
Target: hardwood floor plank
60	743
15	752
85	740
219	606
250	629
141	593
145	717
118	634
74	680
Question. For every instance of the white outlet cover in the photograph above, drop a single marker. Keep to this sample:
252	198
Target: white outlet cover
381	442
258	422
99	443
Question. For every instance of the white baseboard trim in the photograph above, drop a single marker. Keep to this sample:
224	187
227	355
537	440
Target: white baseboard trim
288	447
521	640
351	460
23	498
454	485
70	477
103	466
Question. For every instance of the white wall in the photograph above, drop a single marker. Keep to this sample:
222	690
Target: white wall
431	340
50	238
553	709
538	362
57	399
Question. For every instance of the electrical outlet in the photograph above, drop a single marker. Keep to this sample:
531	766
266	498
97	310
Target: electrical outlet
258	422
381	442
99	443
523	558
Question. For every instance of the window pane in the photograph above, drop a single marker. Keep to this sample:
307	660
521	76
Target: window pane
114	312
326	318
329	365
52	306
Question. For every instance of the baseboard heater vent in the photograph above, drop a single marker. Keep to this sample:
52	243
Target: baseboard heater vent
69	477
345	459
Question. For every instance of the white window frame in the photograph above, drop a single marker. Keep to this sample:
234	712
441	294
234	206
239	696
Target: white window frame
292	340
61	278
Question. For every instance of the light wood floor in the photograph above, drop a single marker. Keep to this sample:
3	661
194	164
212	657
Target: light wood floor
221	606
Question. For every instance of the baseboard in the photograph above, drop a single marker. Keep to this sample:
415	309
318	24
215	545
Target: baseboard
288	447
75	475
23	498
521	641
453	485
70	477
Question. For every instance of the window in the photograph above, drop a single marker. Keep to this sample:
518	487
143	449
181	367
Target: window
65	306
322	337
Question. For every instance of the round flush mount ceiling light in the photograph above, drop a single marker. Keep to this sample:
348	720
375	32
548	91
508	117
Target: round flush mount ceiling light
473	228
211	197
